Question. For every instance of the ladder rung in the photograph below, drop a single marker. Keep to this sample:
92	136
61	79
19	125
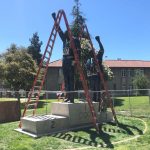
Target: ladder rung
50	46
46	57
30	110
52	40
53	34
42	73
31	104
33	98
42	69
48	52
36	86
35	91
44	62
44	66
39	80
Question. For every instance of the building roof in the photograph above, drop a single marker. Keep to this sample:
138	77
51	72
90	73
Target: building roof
114	63
128	63
56	63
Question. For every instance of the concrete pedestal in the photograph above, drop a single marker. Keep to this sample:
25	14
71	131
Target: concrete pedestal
40	125
64	116
78	113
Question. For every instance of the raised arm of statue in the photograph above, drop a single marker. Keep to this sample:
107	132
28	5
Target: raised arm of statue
100	44
60	32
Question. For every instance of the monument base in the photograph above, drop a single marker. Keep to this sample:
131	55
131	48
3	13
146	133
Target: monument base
64	117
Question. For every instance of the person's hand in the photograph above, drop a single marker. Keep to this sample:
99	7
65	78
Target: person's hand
97	38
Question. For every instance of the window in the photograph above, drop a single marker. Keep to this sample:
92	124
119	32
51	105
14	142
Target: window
142	71
130	87
123	80
129	73
139	71
123	87
123	73
114	86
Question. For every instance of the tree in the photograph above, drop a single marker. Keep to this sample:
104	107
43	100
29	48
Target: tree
2	72
140	81
79	20
35	48
20	68
108	74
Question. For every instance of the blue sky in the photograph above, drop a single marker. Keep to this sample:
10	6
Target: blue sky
123	25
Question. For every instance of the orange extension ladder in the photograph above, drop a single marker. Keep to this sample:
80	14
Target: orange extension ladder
43	67
105	85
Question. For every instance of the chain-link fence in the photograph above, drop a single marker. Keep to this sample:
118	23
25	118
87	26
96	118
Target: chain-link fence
132	102
126	102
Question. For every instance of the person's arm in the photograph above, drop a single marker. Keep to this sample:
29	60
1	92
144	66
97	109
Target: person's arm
100	44
60	32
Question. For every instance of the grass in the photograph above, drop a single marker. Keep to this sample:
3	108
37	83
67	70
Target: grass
129	127
7	99
137	105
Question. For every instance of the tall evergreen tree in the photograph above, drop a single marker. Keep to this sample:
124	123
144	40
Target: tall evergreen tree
79	20
35	48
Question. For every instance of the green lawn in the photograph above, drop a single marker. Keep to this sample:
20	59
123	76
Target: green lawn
129	127
138	106
7	99
87	138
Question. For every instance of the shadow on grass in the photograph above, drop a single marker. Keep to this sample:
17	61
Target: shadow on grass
103	135
118	102
89	142
127	129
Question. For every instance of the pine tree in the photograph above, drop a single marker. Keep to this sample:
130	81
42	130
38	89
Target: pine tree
35	48
76	28
79	20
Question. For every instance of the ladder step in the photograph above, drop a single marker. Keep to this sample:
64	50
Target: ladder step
46	57
44	62
33	98
38	80
31	104
49	52
44	66
50	46
36	86
30	110
53	34
52	40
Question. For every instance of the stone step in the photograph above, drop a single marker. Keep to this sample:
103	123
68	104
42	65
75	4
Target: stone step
44	124
64	117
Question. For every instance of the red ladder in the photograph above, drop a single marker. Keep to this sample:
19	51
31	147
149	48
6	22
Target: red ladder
41	73
48	51
100	73
82	76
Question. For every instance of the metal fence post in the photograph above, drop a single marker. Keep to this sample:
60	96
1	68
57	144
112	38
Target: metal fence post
19	103
130	103
149	96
